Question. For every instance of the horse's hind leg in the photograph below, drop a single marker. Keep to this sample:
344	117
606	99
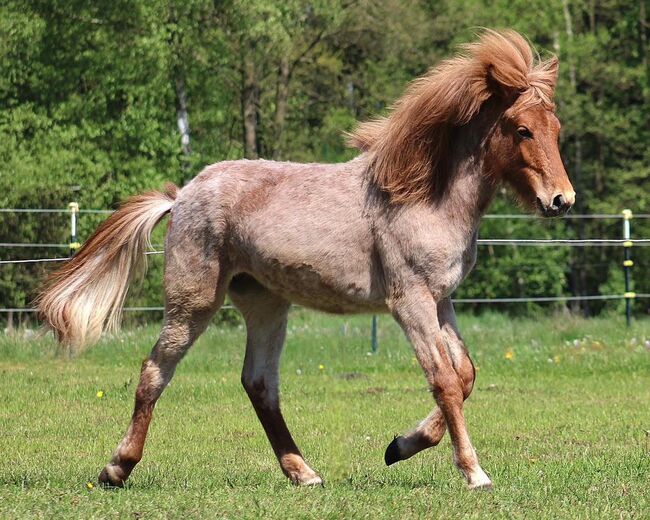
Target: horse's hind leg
266	323
431	430
193	296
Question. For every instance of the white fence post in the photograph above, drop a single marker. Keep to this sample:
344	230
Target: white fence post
74	211
627	265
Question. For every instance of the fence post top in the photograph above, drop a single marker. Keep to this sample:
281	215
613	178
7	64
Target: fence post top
627	214
73	207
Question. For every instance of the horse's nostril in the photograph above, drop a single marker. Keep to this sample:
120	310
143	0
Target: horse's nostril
559	201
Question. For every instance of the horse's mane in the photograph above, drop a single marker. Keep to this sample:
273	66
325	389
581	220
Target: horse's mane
410	147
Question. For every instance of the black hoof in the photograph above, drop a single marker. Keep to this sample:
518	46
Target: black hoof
392	453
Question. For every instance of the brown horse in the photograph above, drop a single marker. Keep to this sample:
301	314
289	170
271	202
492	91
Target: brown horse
394	230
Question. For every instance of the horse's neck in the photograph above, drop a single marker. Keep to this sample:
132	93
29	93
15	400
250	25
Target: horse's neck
471	190
468	196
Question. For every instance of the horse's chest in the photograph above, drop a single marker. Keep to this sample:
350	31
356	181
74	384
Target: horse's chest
444	273
448	280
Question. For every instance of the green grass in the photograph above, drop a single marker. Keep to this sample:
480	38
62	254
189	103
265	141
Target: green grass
560	427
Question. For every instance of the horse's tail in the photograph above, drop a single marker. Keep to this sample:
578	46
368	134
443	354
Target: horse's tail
86	295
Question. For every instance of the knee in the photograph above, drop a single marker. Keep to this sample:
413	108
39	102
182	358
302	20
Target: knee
467	375
447	386
248	384
152	382
255	388
163	359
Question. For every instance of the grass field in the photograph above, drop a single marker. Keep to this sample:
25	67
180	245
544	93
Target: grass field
559	415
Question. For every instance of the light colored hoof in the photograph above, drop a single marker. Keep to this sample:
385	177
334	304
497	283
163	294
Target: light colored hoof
483	486
294	467
309	481
479	480
482	483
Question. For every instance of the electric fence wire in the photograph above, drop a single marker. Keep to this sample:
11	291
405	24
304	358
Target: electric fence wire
524	299
483	242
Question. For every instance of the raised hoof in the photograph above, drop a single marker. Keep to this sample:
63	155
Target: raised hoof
108	479
392	454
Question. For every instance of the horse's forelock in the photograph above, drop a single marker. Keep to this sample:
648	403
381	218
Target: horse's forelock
410	147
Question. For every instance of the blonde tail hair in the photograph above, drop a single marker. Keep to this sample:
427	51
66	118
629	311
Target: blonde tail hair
86	295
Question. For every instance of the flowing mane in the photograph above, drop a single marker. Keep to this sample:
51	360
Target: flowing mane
410	147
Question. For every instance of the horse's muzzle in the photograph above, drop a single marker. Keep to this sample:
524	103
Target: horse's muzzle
559	206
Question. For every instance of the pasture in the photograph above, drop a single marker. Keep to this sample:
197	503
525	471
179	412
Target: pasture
559	416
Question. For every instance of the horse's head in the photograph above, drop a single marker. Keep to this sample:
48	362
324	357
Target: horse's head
524	151
499	76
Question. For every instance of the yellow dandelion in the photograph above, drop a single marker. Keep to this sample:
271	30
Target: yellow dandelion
321	367
556	359
89	485
597	345
100	394
509	355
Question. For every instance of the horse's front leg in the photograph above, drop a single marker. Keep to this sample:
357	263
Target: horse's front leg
430	431
417	313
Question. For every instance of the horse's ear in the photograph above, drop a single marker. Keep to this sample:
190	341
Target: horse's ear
552	67
544	76
505	84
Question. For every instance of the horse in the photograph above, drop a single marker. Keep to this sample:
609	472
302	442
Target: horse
393	230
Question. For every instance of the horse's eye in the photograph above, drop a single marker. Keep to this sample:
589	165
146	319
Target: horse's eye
524	132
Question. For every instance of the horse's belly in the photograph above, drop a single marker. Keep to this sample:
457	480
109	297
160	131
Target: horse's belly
323	284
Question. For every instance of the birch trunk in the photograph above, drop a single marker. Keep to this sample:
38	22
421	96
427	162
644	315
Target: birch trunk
182	117
249	107
281	104
578	276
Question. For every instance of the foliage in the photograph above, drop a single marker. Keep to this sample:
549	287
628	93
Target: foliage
91	95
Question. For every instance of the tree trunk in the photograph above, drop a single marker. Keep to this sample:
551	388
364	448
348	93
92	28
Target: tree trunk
643	40
183	120
10	323
281	104
182	117
249	107
578	276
